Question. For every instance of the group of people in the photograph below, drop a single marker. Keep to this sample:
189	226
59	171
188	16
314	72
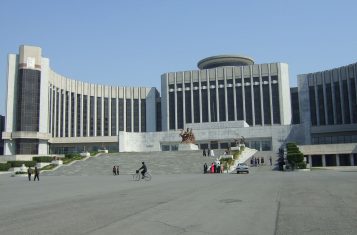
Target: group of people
116	170
215	167
209	153
257	161
36	172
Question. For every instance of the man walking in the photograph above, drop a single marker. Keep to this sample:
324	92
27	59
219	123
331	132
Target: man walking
29	172
37	174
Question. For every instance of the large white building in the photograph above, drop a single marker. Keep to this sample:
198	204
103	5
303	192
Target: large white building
226	97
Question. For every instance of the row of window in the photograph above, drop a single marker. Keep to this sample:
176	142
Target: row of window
80	119
340	139
252	104
333	103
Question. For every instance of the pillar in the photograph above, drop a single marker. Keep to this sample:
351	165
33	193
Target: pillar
337	159
323	156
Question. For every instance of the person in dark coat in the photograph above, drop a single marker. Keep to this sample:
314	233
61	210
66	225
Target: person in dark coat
37	174
118	170
204	152
114	170
29	172
144	169
205	168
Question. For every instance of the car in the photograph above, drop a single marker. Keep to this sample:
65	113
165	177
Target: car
242	167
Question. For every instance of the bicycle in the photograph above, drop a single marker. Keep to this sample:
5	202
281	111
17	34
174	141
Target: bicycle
138	176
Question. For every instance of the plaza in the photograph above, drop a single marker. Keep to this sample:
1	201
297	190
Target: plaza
262	202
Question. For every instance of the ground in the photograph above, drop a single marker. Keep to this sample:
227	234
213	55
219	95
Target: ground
261	202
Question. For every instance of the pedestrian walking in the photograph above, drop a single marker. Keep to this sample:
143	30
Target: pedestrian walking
212	167
205	168
114	171
37	174
29	172
209	152
204	152
262	160
118	170
270	160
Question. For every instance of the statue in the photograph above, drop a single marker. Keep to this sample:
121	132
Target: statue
187	136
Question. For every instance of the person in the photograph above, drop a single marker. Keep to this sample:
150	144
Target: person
204	152
212	153
29	172
212	167
262	160
114	171
118	170
37	174
205	168
144	169
270	160
209	152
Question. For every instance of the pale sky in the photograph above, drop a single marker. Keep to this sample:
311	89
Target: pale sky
131	43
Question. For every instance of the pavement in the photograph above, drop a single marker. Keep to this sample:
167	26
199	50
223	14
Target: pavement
261	202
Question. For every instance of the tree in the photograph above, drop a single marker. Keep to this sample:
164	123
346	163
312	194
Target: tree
294	156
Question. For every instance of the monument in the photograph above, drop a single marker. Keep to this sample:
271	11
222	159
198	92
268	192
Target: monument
188	140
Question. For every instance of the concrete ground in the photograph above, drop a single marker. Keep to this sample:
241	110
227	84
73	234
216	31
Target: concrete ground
262	202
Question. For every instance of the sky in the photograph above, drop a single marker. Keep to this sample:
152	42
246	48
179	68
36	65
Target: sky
132	42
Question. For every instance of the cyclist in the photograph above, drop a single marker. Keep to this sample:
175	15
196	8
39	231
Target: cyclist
144	169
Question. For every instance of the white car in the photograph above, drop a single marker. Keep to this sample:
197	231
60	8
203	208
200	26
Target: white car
242	167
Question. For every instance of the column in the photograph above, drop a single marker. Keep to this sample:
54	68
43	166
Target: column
352	160
234	93
271	104
225	93
337	159
200	94
261	95
208	95
243	93
310	160
176	114
323	157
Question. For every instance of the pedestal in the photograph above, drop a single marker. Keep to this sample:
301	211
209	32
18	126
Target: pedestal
185	147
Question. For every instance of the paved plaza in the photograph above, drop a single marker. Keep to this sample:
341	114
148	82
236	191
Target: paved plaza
262	202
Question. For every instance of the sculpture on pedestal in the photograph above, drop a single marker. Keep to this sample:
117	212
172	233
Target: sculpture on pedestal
187	136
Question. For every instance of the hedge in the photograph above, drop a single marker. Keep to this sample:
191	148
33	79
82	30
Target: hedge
4	166
19	163
43	159
72	155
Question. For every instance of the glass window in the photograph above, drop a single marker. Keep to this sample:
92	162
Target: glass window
143	115
106	117
172	114
121	115
275	100
91	116
113	107
136	115
213	101
128	115
257	103
222	101
85	115
79	115
99	116
248	101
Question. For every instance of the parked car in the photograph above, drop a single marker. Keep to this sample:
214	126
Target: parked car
242	167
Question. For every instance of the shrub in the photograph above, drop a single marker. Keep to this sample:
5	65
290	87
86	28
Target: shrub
43	159
71	155
19	163
4	166
93	153
301	165
294	156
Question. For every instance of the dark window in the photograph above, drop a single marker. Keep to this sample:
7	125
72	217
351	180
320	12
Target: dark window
172	114
295	106
143	115
204	98
248	101
106	117
230	100
61	113
113	117
158	115
179	107
338	103
257	103
312	105
213	101
353	100
50	111
266	101
320	97
239	99
346	103
188	105
222	101
72	114
275	100
28	100
196	102
57	113
26	146
79	115
128	115
121	115
85	115
136	115
99	116
67	115
91	116
329	104
53	112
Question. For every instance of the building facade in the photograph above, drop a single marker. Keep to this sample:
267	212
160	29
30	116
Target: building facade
49	113
228	96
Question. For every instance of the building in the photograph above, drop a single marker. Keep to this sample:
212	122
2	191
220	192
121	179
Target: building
228	96
328	111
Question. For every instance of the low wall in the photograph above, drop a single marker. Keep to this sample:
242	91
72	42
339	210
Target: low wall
6	158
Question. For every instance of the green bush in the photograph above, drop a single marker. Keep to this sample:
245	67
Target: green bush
93	153
4	166
294	156
71	155
301	165
43	159
19	163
